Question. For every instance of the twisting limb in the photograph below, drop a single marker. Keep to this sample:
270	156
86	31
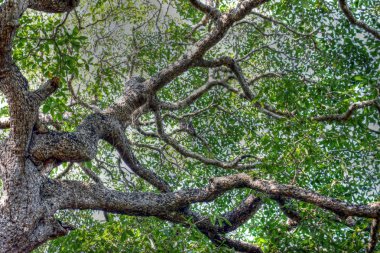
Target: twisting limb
350	16
194	95
234	164
241	214
235	68
78	195
222	25
347	114
123	147
374	235
230	220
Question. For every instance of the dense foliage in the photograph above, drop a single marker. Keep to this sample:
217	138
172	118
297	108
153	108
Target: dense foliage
302	59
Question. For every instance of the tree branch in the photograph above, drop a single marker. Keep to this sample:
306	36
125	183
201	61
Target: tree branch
78	99
78	195
194	95
206	9
346	115
234	164
347	12
223	24
374	235
47	89
293	217
53	6
126	153
241	214
65	171
10	12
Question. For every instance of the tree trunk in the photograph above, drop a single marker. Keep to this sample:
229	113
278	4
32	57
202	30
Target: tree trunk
26	221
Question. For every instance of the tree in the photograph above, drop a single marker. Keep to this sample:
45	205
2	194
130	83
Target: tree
265	110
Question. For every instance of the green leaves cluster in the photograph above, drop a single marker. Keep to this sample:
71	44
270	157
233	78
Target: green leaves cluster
326	66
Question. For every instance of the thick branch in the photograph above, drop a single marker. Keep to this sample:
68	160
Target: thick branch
78	195
126	153
374	235
47	89
223	23
241	214
10	12
206	9
230	221
53	6
347	12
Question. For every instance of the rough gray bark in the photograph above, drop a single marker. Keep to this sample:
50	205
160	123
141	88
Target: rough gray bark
30	198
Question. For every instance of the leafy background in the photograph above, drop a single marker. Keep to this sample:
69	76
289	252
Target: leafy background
103	43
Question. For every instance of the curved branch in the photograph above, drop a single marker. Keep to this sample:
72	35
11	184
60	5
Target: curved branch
206	9
347	12
194	95
347	114
223	24
126	153
235	68
234	164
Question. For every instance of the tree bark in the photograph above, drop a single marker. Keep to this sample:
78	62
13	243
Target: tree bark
30	199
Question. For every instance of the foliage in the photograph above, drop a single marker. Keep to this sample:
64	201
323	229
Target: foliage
325	67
